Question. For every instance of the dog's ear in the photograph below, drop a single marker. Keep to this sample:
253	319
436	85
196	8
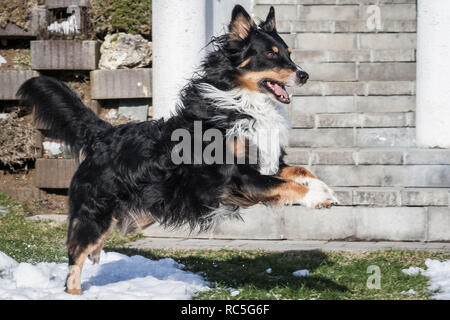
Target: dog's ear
270	24
241	24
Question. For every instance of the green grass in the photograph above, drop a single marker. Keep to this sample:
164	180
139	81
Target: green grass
36	241
333	275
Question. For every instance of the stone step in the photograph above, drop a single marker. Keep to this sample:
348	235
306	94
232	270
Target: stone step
350	88
367	156
392	197
339	12
363	71
411	176
345	26
352	137
355	55
353	120
345	222
356	104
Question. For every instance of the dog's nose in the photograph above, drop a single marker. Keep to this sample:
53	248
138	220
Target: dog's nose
302	76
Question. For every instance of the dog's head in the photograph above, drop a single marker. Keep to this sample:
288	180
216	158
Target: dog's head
261	59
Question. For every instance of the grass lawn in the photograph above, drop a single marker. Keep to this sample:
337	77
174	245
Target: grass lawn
235	274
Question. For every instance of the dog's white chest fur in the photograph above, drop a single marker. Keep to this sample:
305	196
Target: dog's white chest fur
268	130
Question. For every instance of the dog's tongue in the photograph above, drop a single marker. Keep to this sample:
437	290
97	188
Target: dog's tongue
279	90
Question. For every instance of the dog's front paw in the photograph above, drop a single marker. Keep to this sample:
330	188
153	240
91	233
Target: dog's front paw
318	196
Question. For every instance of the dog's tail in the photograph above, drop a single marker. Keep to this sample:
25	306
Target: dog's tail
61	113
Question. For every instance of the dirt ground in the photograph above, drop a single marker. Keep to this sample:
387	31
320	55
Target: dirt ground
50	202
17	55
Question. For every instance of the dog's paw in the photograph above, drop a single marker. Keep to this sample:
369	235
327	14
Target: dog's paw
319	195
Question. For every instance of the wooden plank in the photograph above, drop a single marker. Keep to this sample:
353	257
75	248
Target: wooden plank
11	80
54	173
64	55
55	4
121	84
38	21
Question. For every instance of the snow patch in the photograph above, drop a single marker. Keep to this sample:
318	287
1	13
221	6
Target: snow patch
412	271
116	277
301	273
53	148
439	277
2	60
68	26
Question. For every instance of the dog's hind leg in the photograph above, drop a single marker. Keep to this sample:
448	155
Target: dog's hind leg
94	256
84	239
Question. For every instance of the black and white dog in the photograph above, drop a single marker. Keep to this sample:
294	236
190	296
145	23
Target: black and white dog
128	176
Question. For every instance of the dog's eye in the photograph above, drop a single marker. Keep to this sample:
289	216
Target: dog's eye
271	54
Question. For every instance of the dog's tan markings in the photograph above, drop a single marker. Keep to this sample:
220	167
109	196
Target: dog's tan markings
244	63
73	282
289	50
251	79
288	191
293	172
275	49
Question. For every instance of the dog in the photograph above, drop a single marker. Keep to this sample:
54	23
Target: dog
127	176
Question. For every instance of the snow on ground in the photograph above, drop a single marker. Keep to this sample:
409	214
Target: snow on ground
116	277
53	148
301	273
439	274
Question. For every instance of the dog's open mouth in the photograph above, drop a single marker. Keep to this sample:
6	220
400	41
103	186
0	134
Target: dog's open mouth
277	89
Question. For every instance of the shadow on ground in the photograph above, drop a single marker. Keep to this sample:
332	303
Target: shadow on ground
230	268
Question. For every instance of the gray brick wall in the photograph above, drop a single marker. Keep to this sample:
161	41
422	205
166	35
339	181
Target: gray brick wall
354	123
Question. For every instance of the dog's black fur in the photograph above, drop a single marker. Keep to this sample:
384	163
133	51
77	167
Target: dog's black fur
126	172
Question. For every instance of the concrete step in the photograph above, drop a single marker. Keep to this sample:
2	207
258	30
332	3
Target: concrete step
283	245
353	120
354	55
392	197
351	88
423	176
367	156
363	71
344	222
356	104
352	137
